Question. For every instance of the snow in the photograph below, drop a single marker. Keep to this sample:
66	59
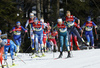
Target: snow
80	59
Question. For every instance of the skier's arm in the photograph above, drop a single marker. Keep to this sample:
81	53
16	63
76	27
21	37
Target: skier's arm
33	29
83	26
55	26
94	25
24	29
13	29
76	25
77	19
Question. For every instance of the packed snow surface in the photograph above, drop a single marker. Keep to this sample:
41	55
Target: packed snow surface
81	59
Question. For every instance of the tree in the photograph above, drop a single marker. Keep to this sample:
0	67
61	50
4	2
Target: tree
42	15
48	9
8	14
57	9
38	9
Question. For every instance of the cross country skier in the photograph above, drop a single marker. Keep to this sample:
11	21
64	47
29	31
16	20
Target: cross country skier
38	31
44	38
30	22
17	34
63	34
44	26
52	39
9	44
1	51
88	26
70	22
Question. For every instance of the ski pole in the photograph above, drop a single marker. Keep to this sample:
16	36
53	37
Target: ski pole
21	60
82	32
27	49
96	34
27	33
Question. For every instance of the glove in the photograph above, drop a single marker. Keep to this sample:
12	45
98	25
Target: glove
13	30
25	31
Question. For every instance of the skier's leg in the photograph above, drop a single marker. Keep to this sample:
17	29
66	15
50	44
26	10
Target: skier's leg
32	44
32	41
11	51
15	47
67	42
87	37
55	44
48	46
76	42
41	42
1	53
67	45
71	42
44	43
12	54
52	44
61	46
36	42
17	42
6	48
92	38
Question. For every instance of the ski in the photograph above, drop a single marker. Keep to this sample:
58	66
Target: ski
42	55
67	57
8	66
14	65
35	56
57	58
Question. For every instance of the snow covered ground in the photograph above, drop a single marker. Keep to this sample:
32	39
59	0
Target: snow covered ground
80	59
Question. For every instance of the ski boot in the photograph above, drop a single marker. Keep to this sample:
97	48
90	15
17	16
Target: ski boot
71	48
92	47
60	56
37	54
13	62
69	55
32	56
5	63
78	48
2	66
15	53
17	49
43	53
56	49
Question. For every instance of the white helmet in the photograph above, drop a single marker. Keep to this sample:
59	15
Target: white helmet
31	15
59	20
42	20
